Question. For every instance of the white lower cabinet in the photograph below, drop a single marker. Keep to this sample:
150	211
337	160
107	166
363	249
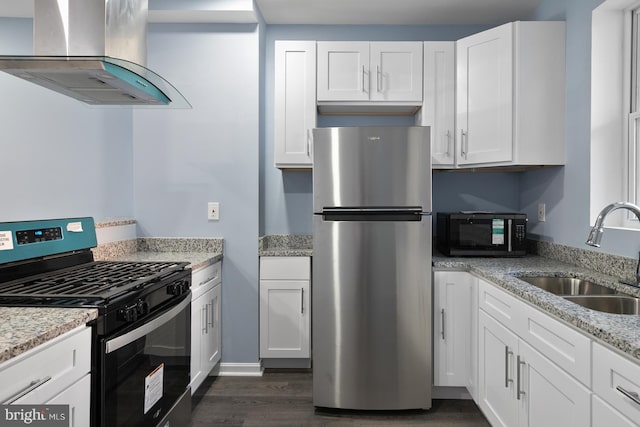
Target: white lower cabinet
616	381
285	307
206	295
521	387
57	372
453	336
605	415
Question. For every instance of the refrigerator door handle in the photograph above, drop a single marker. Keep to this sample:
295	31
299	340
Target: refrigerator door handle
374	214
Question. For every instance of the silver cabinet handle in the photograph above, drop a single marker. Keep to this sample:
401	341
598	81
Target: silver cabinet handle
463	152
630	394
301	300
442	324
32	386
378	79
204	317
507	353
212	313
363	79
519	392
448	143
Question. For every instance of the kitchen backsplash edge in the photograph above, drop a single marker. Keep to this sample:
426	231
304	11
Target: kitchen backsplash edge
614	265
112	250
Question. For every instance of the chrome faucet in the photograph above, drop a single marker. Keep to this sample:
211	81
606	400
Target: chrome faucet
595	235
598	228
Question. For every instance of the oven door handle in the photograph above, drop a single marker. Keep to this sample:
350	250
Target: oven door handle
119	342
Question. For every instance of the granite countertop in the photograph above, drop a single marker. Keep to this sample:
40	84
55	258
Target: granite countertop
198	252
23	328
620	331
196	260
285	245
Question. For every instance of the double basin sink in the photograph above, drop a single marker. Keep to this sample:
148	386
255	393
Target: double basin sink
587	294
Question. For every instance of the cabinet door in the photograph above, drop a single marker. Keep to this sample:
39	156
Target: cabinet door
602	414
547	395
284	318
616	379
484	98
295	102
198	318
78	397
497	348
438	109
343	71
396	71
451	328
211	342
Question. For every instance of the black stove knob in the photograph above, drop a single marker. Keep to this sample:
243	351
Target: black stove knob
178	288
142	307
129	313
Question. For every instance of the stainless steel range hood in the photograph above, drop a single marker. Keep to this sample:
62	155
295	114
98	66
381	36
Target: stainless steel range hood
95	52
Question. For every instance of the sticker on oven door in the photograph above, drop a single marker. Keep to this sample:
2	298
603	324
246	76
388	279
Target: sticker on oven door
153	387
6	241
497	231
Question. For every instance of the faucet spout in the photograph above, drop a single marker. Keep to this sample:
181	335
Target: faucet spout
595	235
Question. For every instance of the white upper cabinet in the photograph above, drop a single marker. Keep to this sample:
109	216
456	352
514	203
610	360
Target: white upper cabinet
370	71
295	103
438	109
510	103
343	71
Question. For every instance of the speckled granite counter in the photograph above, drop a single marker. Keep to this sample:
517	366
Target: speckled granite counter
197	252
196	260
23	328
285	245
620	331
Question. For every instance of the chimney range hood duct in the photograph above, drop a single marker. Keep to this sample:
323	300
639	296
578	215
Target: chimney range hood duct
94	51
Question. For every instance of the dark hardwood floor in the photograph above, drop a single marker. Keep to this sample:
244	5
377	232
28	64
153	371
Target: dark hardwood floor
280	399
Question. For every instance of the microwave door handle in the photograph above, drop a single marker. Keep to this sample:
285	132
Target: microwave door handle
509	224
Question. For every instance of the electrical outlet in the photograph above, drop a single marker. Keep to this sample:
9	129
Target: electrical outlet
541	212
213	211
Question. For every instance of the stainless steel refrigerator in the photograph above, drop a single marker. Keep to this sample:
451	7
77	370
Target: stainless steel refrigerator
371	288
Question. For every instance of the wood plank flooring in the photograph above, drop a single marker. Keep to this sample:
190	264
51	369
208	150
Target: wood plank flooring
280	399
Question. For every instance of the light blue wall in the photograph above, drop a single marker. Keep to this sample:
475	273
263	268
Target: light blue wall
58	157
566	191
186	158
287	199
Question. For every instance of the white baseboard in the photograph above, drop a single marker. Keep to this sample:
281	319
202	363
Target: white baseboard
240	370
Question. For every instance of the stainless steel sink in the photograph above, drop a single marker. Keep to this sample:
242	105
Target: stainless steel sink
616	304
568	285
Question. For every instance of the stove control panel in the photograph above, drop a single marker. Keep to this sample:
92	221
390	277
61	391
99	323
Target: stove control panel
24	237
131	312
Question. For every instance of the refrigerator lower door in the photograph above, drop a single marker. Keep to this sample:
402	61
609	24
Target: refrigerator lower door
371	314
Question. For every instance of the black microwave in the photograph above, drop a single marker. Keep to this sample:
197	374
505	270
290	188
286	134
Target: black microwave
481	234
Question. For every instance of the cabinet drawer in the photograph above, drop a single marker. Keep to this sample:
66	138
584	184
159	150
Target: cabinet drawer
503	307
615	375
206	274
285	268
567	348
48	369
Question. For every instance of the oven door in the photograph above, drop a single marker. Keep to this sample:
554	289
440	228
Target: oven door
145	371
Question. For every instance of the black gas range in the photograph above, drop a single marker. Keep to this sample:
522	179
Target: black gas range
142	332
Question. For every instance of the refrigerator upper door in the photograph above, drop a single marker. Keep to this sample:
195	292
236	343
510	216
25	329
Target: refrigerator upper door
371	166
